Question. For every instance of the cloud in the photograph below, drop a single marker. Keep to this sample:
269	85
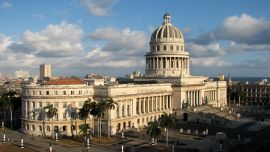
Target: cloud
210	62
99	7
4	42
59	40
126	40
97	58
209	50
6	5
243	29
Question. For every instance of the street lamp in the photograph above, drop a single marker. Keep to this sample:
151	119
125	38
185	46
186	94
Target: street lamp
153	144
22	142
123	134
50	148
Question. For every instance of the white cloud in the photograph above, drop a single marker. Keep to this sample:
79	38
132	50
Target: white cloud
245	29
233	46
209	50
57	40
210	62
99	7
4	42
6	5
126	40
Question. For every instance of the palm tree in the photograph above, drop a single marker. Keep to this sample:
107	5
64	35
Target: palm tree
84	114
165	122
109	105
7	104
153	130
84	129
51	112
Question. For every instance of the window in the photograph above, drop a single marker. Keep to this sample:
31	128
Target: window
47	93
33	115
171	48
33	92
177	48
137	106
128	110
33	104
64	128
40	104
48	128
72	115
56	105
158	48
27	127
64	104
40	93
80	92
40	128
123	111
33	128
72	92
64	93
64	116
117	112
164	48
55	92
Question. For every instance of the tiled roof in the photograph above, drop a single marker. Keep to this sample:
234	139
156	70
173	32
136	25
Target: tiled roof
68	81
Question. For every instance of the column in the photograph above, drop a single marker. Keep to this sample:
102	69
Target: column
139	105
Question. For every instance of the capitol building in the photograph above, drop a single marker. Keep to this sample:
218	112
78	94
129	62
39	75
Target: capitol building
167	86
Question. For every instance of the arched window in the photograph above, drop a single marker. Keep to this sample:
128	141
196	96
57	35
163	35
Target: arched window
164	48
64	128
171	48
48	128
177	48
158	48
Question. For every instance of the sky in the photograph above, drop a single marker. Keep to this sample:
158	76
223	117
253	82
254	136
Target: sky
111	37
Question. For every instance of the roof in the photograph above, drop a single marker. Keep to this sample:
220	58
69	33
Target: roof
68	81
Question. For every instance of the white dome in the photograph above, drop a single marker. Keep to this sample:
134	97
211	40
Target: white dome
167	30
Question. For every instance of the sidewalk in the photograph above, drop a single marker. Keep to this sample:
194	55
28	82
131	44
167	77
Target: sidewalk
42	145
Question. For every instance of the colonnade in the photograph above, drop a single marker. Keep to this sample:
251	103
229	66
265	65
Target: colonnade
155	103
167	63
194	97
211	95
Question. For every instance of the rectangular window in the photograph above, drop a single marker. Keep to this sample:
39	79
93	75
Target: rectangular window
40	93
33	104
55	92
40	104
123	111
33	115
64	104
33	92
64	93
137	106
117	112
72	92
128	110
80	92
64	116
47	93
40	128
56	105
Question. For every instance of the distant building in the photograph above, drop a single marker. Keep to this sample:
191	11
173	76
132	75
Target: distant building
250	92
21	74
45	71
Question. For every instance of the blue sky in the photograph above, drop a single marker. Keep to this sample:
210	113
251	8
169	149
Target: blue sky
111	36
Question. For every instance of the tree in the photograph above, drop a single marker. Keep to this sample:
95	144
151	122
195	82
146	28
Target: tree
166	121
84	114
7	104
50	112
153	130
84	129
109	105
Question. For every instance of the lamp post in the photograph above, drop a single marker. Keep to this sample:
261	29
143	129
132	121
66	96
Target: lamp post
3	125
50	148
22	142
56	136
122	146
4	138
123	135
153	144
